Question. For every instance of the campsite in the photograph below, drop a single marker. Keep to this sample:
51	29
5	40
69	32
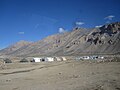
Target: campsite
59	44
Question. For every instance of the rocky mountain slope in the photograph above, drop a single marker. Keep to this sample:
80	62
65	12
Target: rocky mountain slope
80	41
11	49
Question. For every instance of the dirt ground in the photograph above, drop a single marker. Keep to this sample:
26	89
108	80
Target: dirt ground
66	75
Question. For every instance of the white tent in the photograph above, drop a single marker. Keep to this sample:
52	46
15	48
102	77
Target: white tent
64	59
49	59
86	57
37	59
58	58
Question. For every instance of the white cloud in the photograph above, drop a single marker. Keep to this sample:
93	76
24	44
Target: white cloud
110	17
98	26
61	30
21	32
79	23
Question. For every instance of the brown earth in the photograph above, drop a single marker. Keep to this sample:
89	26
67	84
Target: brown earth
67	75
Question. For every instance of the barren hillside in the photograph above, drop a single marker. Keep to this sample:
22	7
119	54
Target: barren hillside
103	40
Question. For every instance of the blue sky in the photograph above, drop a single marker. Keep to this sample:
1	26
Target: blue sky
33	20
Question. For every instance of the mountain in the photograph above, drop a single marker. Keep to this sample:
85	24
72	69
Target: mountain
80	41
11	49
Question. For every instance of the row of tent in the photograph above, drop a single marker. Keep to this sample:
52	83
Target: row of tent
89	57
48	59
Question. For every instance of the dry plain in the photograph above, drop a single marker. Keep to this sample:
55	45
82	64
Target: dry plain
65	75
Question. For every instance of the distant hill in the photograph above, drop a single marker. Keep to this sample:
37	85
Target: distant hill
80	41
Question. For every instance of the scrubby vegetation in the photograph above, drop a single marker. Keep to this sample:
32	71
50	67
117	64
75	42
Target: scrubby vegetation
117	59
7	60
24	60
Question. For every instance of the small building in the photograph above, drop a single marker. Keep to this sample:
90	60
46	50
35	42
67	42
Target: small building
38	59
101	57
58	59
64	59
97	57
86	57
49	59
